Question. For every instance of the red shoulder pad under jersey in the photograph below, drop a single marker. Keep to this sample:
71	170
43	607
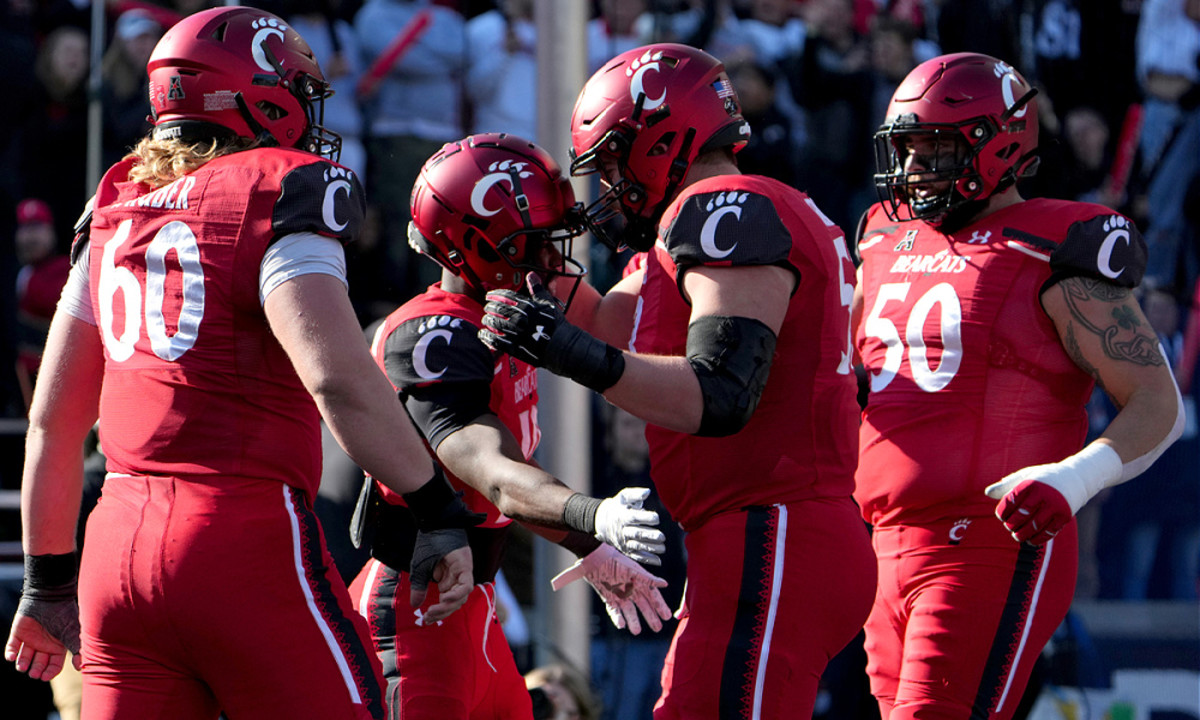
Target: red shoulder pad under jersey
320	197
436	349
1104	246
727	228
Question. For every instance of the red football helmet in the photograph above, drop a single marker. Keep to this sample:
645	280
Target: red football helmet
238	71
966	122
650	112
487	207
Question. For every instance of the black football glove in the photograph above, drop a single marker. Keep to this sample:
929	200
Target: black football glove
49	597
442	519
533	328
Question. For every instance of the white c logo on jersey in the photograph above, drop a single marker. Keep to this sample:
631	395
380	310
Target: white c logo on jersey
1104	257
420	364
327	207
256	47
708	241
480	191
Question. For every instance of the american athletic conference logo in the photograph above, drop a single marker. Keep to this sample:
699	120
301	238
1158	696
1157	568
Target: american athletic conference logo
499	171
637	70
718	206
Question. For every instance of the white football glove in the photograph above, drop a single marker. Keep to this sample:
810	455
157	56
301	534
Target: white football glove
622	523
623	585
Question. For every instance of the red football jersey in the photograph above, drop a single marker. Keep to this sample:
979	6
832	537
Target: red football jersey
432	340
194	381
801	441
968	379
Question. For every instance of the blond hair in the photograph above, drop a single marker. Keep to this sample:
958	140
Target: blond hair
159	162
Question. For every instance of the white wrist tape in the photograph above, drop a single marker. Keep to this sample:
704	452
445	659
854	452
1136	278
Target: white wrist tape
1083	475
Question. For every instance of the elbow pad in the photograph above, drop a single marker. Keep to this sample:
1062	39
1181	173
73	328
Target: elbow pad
731	357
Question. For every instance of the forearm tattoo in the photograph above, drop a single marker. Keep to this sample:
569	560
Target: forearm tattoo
1125	338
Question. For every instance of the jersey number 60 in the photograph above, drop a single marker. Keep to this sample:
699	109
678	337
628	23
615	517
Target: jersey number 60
175	236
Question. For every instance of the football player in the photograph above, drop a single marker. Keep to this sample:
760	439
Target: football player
985	321
206	323
488	209
738	355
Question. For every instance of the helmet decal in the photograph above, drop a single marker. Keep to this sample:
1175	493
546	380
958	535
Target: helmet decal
1008	79
498	172
266	27
638	68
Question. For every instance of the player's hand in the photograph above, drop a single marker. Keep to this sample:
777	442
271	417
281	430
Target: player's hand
43	630
455	578
625	587
623	523
534	328
436	557
1032	510
522	326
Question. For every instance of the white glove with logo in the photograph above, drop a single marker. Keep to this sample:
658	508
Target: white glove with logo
623	585
622	523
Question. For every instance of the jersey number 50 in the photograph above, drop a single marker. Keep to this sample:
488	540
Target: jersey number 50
927	378
175	236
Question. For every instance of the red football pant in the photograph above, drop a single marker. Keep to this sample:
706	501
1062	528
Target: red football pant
772	594
458	669
962	613
198	597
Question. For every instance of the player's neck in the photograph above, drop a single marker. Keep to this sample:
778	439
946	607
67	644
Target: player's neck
704	168
998	202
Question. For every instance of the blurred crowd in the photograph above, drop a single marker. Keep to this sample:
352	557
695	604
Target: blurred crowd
1120	126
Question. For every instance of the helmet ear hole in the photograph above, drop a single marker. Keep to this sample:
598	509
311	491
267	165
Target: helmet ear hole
271	110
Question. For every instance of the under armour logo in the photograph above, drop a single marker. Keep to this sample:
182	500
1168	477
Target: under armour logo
540	333
977	239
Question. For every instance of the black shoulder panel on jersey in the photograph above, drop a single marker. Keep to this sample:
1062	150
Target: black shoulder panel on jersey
437	349
858	236
1107	247
83	231
732	227
321	198
441	410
